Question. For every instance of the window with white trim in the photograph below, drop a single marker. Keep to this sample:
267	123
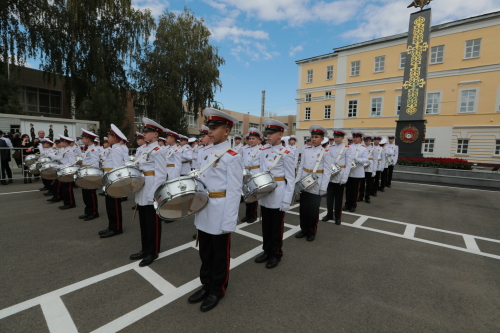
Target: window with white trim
328	111
352	108
33	99
355	66
329	72
379	64
309	75
255	125
437	54
497	147
192	123
308	114
428	146
294	126
328	95
376	107
398	104
472	48
402	60
433	101
462	146
468	100
237	127
308	97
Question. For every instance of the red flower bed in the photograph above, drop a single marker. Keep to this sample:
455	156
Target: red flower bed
436	162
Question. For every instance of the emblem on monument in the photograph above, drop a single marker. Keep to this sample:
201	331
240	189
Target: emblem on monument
409	134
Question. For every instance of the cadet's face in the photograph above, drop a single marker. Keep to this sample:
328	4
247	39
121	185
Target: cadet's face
218	133
253	141
338	139
170	140
292	142
150	136
368	142
105	144
237	141
376	142
316	139
47	145
274	138
205	139
161	143
112	139
140	141
86	141
184	142
391	140
357	139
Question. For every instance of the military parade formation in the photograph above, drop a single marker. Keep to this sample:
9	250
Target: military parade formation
173	177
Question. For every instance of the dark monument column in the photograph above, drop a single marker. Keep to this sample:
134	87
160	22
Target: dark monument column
410	129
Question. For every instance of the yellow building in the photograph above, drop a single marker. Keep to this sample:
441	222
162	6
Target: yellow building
359	87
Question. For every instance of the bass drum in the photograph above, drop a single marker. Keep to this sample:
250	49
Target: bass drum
89	178
49	170
258	186
67	174
180	197
306	182
30	160
123	181
34	170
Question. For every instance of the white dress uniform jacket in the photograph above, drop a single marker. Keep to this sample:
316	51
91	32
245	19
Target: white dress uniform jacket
344	163
386	151
281	197
113	158
152	159
395	149
173	157
221	214
194	161
372	168
237	147
307	164
91	157
187	156
251	158
77	150
65	157
362	153
377	157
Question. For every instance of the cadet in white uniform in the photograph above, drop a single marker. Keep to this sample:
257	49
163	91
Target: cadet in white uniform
90	159
388	151
237	143
152	163
114	158
394	157
251	161
187	155
218	219
193	142
65	157
357	153
139	139
365	186
274	206
55	186
339	156
377	157
173	155
310	199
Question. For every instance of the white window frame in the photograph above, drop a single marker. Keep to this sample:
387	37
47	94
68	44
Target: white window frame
460	146
380	62
459	103
329	72
328	112
255	125
192	123
497	104
328	95
402	63
435	51
237	127
439	102
308	97
398	104
472	50
381	106
309	76
307	113
426	146
496	152
357	107
355	67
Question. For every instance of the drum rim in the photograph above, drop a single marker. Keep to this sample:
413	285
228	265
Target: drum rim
185	216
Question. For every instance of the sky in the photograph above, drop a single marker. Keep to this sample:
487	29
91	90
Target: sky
260	40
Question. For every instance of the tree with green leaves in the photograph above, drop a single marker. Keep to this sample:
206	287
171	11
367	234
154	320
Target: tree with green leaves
179	72
9	96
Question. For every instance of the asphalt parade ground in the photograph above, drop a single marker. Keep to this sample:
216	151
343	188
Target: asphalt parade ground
419	258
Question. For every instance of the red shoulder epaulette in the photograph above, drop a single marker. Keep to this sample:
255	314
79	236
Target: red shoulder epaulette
157	148
363	146
264	148
332	145
347	146
287	152
307	147
326	149
232	152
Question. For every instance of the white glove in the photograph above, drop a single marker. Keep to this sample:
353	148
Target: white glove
284	206
322	193
373	174
342	182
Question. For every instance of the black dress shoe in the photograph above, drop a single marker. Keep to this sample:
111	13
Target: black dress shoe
91	217
133	207
66	207
310	238
345	208
244	219
124	199
53	200
148	260
262	258
194	236
81	217
44	189
4	182
360	200
381	190
252	220
102	193
337	222
300	234
352	210
388	185
111	233
327	218
374	194
367	200
10	181
103	231
273	262
48	194
210	302
137	256
198	296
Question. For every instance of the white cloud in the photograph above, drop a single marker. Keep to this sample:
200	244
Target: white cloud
155	6
295	49
234	33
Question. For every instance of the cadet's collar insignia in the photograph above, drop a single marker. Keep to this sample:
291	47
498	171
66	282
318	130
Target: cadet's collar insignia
287	152
157	148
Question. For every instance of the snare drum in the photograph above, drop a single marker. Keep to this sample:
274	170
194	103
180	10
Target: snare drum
89	178
258	186
67	174
335	170
49	170
180	197
246	174
79	160
123	181
305	183
41	161
34	170
31	159
131	158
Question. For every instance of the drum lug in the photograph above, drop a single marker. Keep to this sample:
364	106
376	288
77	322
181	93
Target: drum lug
155	205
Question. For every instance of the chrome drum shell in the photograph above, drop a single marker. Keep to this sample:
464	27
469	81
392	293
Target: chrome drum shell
33	169
258	186
67	174
306	182
123	181
49	170
30	160
41	161
89	178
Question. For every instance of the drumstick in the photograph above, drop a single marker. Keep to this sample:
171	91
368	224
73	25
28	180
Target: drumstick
135	211
196	238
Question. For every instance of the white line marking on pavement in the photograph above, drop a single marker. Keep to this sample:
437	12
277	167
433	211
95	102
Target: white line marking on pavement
410	231
360	221
155	279
471	244
57	316
248	234
19	192
460	188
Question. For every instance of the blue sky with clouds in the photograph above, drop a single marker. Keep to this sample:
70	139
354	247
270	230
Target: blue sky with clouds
261	39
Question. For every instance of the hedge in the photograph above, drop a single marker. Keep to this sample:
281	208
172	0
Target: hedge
436	162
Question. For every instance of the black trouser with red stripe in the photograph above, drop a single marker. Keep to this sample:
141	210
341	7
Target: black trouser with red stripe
335	195
389	174
376	182
67	193
114	210
365	184
150	229
47	183
90	201
351	191
215	251
251	210
309	212
383	182
55	188
273	222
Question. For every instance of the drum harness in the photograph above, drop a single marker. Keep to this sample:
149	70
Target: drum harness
318	160
253	156
338	158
